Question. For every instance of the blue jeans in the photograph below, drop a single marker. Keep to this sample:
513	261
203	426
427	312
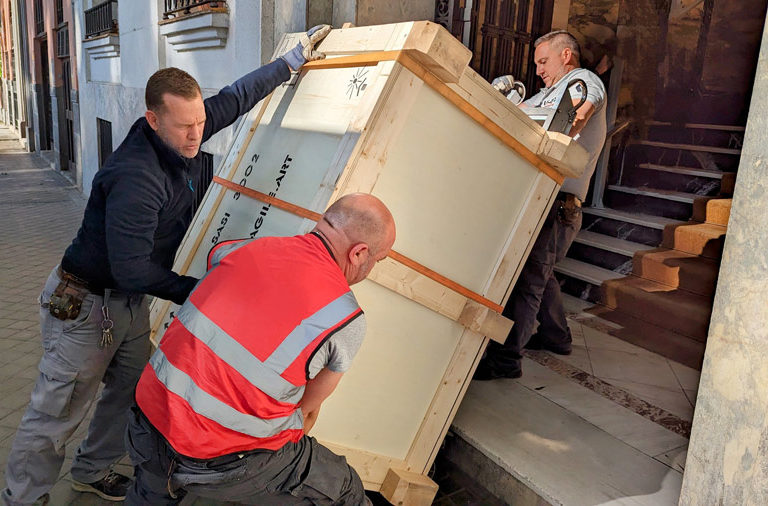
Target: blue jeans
298	473
536	295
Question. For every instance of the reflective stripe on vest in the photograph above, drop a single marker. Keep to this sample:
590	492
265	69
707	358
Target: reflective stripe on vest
204	404
266	375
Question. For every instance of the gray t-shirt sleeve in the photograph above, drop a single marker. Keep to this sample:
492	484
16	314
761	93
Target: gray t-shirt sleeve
337	352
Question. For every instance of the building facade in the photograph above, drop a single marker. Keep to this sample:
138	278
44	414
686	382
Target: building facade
52	87
13	85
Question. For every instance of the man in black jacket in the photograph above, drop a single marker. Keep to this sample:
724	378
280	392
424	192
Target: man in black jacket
94	310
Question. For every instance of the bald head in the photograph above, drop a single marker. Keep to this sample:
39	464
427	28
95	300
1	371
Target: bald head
360	231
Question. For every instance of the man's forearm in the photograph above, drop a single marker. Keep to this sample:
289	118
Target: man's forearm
310	419
583	114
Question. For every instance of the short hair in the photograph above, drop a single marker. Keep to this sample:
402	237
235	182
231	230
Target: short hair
561	39
170	80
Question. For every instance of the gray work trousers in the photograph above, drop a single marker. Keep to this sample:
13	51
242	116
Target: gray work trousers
537	295
71	369
298	473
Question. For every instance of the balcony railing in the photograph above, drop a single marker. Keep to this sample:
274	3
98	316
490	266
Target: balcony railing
101	19
39	19
62	41
177	8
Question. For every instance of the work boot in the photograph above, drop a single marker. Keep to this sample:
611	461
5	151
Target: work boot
486	372
539	343
112	487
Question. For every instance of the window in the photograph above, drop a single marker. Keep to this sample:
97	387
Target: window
59	12
104	132
62	41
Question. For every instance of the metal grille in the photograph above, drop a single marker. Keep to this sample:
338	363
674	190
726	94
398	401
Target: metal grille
39	20
176	8
104	133
206	174
101	19
62	42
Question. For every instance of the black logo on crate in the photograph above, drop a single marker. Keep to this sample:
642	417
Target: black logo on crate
357	83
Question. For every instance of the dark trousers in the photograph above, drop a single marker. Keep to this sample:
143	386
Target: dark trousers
298	473
536	295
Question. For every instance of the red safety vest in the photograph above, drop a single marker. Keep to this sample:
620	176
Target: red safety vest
231	368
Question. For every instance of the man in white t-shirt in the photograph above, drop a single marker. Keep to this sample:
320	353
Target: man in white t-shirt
536	295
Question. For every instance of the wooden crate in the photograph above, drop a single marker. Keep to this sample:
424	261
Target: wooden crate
395	111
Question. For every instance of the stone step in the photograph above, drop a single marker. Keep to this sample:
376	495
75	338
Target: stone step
608	243
685	198
691	147
585	272
654	201
544	439
699	126
687	171
704	239
657	339
644	220
677	269
678	310
714	211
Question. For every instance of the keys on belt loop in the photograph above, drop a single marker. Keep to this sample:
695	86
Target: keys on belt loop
106	322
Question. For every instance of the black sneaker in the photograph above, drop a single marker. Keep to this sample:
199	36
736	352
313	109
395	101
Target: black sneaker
112	487
485	372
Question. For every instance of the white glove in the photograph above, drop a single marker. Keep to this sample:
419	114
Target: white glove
305	49
504	83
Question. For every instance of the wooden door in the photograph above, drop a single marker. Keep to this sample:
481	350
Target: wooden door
502	37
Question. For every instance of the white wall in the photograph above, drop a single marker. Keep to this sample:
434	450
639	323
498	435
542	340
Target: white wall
116	94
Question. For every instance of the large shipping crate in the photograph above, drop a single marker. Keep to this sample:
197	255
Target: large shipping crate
394	110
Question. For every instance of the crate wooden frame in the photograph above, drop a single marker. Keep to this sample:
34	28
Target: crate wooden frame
414	54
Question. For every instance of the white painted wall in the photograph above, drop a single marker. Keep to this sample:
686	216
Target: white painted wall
114	91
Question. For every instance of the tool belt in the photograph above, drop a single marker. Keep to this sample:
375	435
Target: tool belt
67	298
569	199
569	207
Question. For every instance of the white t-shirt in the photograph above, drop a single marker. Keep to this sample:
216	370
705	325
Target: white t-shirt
592	136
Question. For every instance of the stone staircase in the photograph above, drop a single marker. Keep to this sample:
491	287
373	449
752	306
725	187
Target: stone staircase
650	257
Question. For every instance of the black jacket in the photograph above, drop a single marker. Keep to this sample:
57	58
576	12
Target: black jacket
142	200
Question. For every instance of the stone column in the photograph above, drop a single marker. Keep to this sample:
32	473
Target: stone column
728	454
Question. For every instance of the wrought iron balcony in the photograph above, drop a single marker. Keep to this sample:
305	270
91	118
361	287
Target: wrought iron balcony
178	8
101	19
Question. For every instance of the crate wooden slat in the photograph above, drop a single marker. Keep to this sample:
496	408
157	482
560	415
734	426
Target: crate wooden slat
469	179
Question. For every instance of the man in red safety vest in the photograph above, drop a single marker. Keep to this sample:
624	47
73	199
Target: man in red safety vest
225	404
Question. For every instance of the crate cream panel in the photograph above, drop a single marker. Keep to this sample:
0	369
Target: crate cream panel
298	143
456	192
